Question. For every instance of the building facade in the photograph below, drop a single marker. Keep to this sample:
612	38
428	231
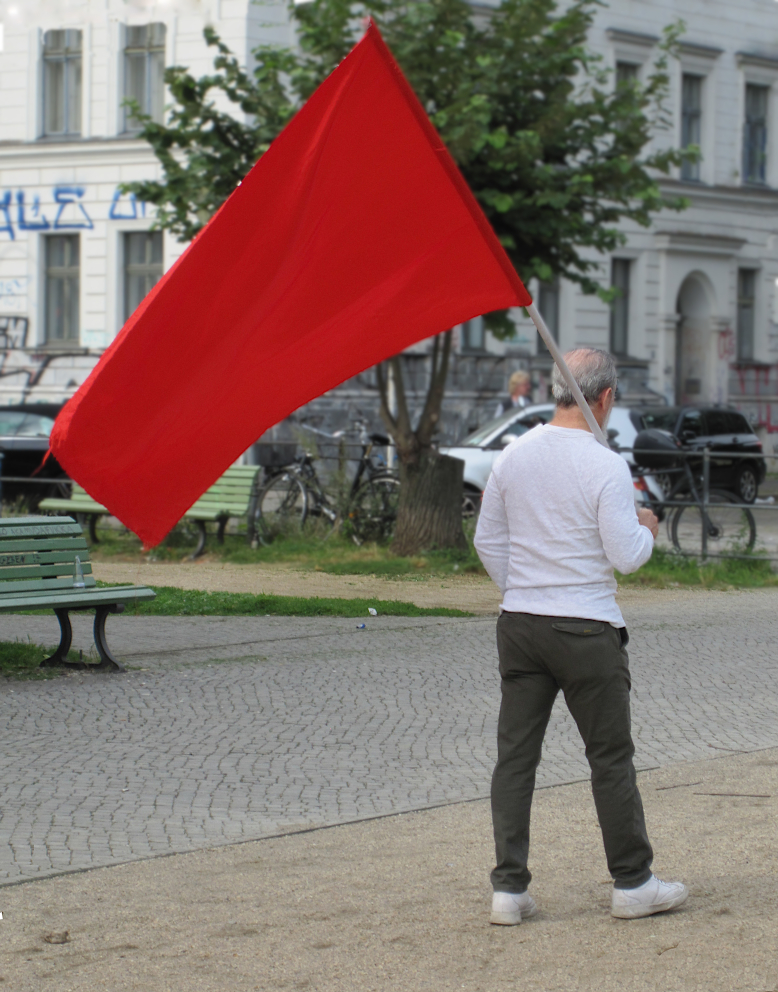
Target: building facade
697	315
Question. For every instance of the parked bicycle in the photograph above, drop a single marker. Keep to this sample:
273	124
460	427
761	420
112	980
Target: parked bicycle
698	518
294	494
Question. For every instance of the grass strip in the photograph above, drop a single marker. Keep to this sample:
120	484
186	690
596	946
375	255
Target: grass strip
174	602
21	660
667	570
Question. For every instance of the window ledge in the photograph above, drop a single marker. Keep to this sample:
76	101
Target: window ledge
52	138
61	347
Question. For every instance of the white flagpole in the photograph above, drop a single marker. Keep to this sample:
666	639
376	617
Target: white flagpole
575	389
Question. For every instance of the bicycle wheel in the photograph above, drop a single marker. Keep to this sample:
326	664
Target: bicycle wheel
282	507
373	510
731	530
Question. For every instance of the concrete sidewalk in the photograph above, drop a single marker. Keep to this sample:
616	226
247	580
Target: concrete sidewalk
401	903
310	722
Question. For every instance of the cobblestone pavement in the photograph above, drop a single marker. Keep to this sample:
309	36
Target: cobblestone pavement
227	729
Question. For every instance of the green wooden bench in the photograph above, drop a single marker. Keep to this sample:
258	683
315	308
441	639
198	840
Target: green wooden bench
38	571
80	504
230	496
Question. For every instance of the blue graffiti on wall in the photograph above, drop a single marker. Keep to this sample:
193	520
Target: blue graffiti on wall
126	211
5	211
68	211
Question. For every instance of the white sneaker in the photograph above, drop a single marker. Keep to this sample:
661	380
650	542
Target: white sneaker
653	896
510	908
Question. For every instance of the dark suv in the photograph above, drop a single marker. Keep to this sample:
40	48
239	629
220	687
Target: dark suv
721	429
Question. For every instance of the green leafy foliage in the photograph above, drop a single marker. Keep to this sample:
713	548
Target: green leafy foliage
554	152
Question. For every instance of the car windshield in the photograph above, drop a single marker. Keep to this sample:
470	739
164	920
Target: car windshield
664	418
15	423
478	438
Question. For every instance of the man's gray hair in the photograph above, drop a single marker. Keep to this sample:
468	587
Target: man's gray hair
593	369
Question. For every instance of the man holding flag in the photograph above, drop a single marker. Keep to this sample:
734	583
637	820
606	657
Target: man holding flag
558	516
353	237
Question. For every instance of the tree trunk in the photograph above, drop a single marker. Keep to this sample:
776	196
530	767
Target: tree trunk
429	514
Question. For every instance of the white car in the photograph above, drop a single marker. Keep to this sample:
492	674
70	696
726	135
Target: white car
479	449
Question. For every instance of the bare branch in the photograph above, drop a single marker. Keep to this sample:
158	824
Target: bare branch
428	421
403	416
386	413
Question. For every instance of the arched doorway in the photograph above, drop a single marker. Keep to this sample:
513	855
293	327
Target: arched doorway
692	341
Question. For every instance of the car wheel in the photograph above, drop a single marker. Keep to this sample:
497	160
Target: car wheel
666	484
746	483
471	504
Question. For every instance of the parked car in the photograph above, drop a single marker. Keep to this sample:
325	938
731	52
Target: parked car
725	432
24	441
480	449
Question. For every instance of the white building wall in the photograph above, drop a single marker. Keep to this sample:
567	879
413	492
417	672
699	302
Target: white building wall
71	185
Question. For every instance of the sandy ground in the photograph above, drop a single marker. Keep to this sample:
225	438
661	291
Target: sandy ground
466	592
474	593
401	903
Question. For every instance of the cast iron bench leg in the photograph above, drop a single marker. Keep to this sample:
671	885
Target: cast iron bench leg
92	529
107	661
65	640
200	540
222	527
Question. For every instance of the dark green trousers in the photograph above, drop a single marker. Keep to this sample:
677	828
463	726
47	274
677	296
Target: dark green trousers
587	660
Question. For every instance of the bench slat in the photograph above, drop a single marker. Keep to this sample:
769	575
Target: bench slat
75	544
41	530
213	512
41	584
73	505
36	519
29	557
44	571
75	599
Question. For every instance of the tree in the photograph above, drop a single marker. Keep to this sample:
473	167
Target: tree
553	151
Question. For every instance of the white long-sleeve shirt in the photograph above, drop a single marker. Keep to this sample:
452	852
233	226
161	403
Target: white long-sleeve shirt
558	515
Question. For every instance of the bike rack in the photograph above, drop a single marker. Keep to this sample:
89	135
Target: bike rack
707	457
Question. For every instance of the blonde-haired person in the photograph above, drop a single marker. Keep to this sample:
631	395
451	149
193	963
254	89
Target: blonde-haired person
519	387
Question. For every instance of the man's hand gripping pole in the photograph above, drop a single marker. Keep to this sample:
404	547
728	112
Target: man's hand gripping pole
567	375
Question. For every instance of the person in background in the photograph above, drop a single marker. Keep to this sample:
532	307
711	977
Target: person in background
519	386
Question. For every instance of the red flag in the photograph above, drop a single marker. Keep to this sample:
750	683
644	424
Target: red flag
353	237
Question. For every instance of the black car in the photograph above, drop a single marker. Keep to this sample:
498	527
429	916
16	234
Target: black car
724	431
24	441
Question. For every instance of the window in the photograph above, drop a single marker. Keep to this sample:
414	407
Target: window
755	134
691	123
548	304
627	72
620	270
746	291
24	424
717	422
62	288
142	266
726	422
473	335
62	82
692	423
737	424
144	72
